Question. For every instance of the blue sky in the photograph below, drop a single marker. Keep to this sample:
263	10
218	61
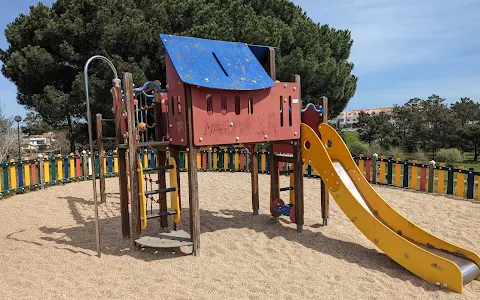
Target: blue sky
402	49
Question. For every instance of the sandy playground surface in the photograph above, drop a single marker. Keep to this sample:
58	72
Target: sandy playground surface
47	248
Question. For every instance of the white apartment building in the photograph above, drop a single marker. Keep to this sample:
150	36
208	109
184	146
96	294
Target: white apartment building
348	119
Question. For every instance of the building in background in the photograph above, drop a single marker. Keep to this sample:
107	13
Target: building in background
348	119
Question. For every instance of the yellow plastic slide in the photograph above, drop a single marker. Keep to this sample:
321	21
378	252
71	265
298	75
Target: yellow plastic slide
427	256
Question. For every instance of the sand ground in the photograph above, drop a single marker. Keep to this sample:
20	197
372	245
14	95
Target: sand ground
47	248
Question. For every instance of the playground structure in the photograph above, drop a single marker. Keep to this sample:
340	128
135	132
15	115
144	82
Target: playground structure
221	93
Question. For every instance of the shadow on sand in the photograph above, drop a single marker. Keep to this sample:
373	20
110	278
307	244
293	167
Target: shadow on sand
81	238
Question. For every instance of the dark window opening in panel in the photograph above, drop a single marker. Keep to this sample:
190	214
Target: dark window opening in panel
237	105
209	105
223	104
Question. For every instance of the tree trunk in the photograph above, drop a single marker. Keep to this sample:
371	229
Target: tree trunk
70	133
475	151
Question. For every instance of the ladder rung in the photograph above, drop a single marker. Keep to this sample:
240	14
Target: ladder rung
162	214
158	168
167	190
153	144
284	172
290	188
110	138
108	120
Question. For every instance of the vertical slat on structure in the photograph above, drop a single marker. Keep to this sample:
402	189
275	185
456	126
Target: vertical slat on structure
33	168
71	159
414	182
66	171
133	157
145	158
423	177
225	159
6	183
247	160
383	178
441	179
186	158
46	169
242	161
78	169
298	186
204	161
389	171
85	165
460	182
13	174
374	167
431	176
192	177
59	161
110	163
450	174
368	169
105	163
254	180
41	172
398	168
215	160
405	174
361	163
264	161
20	172
478	188
115	161
236	161
470	183
26	172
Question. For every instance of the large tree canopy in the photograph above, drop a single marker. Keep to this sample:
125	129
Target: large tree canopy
49	47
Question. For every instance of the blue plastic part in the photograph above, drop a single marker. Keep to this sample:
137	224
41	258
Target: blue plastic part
283	209
261	52
145	85
320	110
216	64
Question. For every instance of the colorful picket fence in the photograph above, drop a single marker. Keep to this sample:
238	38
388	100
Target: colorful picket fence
17	176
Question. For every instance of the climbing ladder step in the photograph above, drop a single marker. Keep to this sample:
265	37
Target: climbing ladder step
159	145
289	188
172	239
169	212
158	168
153	192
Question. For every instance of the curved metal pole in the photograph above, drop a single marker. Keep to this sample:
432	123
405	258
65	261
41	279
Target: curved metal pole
116	82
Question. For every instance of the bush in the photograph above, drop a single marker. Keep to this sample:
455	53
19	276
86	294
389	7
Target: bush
376	148
358	147
449	156
420	155
395	152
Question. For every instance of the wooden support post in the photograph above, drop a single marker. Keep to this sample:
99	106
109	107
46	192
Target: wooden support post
298	184
254	179
101	171
42	174
162	158
133	156
324	195
192	176
431	175
209	159
122	163
274	176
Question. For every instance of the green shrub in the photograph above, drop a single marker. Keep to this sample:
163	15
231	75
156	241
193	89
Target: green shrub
376	148
357	147
395	152
420	155
449	156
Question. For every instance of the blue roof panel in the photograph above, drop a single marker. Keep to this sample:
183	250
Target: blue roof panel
216	64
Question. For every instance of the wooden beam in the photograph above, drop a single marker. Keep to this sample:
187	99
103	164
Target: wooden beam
324	194
175	154
192	176
122	162
101	172
271	63
254	180
133	156
298	184
274	176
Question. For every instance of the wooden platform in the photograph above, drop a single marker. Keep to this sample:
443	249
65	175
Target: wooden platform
172	239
